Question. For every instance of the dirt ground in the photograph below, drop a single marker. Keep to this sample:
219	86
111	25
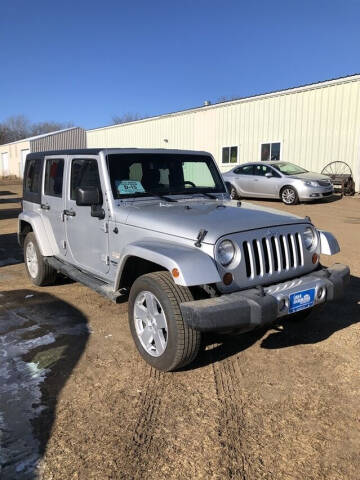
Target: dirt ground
77	402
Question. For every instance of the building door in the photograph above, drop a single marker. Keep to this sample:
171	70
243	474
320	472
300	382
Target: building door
53	202
22	161
5	164
86	236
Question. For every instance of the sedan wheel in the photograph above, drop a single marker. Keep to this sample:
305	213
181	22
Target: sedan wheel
289	196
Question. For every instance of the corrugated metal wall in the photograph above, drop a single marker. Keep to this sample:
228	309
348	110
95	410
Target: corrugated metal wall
74	138
315	124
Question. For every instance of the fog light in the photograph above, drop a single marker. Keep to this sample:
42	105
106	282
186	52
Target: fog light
320	293
315	258
315	195
227	278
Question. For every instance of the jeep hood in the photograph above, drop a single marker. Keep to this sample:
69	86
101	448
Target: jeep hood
185	219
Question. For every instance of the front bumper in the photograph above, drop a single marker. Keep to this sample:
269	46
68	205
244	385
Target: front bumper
249	309
308	193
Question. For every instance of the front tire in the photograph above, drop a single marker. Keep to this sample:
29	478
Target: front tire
232	192
160	334
39	272
289	195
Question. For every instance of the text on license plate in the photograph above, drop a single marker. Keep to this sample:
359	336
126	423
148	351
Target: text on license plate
301	300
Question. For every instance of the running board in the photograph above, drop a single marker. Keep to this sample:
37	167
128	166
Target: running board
74	273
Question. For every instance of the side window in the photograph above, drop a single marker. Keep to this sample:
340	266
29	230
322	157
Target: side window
54	172
32	182
84	173
245	170
261	170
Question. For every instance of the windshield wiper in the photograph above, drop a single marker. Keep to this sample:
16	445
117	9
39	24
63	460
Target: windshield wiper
162	197
209	195
149	194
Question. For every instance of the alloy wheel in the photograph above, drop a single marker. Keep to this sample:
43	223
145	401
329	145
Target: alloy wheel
150	323
32	260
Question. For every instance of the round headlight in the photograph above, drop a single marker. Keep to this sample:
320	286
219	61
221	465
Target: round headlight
310	238
225	252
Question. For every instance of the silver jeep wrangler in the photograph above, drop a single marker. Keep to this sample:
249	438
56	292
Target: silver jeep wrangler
157	227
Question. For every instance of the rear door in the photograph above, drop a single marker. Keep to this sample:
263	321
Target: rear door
52	202
86	236
244	180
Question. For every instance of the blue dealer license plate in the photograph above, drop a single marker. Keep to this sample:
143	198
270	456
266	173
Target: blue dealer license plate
301	300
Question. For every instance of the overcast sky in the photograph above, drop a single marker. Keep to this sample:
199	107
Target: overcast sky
85	61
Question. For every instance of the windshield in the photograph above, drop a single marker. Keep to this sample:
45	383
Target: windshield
288	168
143	174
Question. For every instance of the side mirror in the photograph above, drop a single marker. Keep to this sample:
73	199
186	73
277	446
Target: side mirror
268	175
86	197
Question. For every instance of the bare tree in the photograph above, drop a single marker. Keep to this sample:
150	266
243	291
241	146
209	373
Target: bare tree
19	127
126	117
47	127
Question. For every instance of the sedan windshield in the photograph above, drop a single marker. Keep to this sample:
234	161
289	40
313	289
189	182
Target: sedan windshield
144	174
288	168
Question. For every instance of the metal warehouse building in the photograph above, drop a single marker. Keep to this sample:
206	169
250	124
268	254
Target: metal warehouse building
310	125
13	155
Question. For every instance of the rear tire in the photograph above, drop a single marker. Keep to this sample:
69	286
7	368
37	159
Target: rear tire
39	272
160	334
289	195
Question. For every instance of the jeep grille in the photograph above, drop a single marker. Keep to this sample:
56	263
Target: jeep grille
268	255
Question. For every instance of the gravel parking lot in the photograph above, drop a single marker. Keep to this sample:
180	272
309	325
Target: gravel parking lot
77	402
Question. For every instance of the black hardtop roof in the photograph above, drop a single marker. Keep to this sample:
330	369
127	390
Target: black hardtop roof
110	150
74	151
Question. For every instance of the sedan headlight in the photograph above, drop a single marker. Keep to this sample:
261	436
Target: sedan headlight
225	252
311	238
310	183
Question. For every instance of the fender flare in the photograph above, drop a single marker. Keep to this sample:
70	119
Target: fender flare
195	267
39	231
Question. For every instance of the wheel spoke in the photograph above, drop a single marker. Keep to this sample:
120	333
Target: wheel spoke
160	320
140	312
150	304
147	336
159	340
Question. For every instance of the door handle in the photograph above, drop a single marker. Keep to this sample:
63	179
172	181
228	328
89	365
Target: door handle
69	213
45	206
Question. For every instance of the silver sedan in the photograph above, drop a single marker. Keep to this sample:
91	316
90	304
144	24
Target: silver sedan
277	179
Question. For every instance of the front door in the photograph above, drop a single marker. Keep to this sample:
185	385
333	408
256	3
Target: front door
86	236
266	186
52	203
